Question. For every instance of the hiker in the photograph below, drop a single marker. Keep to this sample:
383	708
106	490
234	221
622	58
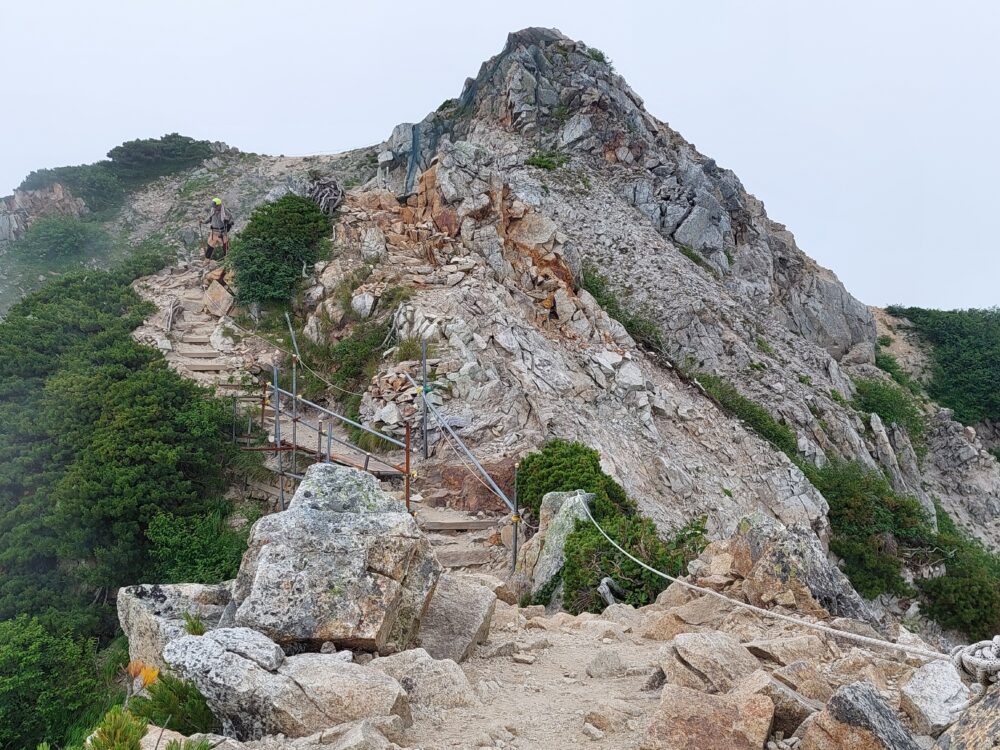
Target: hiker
220	221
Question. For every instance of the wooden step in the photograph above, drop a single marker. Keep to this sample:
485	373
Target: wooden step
218	366
472	524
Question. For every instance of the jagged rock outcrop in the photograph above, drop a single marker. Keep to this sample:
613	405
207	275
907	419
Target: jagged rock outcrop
543	556
255	694
19	210
363	571
152	615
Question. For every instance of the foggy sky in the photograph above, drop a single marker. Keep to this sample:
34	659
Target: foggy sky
870	129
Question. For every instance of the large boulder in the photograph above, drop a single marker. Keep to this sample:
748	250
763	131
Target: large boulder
345	563
857	717
543	556
931	695
152	615
457	619
302	695
430	684
790	568
687	719
790	708
977	727
713	662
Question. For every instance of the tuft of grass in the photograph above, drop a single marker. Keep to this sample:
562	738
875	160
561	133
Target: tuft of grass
805	379
598	56
193	624
885	340
547	160
763	346
756	416
697	258
641	328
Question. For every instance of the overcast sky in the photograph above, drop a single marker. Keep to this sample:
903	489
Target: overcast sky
871	129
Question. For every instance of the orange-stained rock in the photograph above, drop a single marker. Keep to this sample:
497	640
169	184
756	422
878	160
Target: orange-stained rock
690	720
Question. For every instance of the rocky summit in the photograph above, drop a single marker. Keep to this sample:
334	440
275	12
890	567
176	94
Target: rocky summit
572	268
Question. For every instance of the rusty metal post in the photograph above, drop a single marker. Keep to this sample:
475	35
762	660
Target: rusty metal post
319	441
406	464
515	522
295	419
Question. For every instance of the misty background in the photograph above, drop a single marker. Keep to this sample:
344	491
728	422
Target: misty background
869	129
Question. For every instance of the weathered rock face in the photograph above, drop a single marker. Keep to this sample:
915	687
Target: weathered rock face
18	211
253	696
153	615
712	662
457	619
931	695
857	717
543	556
978	727
688	719
363	572
430	684
790	567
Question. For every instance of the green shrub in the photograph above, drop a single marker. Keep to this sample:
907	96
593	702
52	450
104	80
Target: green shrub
966	356
589	558
756	416
96	184
118	730
885	341
294	218
888	363
598	56
764	346
967	597
47	681
56	238
838	397
175	704
103	185
893	405
697	258
872	527
561	466
547	160
279	240
645	332
195	549
145	159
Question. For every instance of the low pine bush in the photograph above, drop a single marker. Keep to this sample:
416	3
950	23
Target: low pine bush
197	548
893	405
61	238
269	254
756	416
175	704
645	332
118	730
563	466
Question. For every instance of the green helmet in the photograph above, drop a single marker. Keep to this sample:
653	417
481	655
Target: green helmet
217	201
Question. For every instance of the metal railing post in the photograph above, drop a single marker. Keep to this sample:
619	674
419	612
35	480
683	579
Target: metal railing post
423	416
406	465
277	438
295	418
516	522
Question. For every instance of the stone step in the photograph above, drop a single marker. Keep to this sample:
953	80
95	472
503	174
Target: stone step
463	558
194	338
197	353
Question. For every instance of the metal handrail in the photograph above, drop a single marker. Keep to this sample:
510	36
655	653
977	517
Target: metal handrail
437	415
341	417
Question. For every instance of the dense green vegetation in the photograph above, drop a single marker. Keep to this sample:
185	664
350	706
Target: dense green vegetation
103	185
63	238
756	416
563	466
888	363
876	531
966	355
44	677
111	470
279	240
894	405
175	704
645	332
